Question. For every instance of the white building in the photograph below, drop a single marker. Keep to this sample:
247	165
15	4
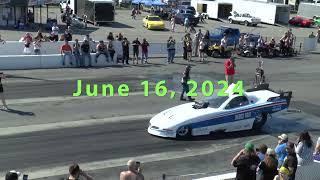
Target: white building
271	13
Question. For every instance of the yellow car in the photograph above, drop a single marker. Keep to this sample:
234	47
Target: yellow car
153	22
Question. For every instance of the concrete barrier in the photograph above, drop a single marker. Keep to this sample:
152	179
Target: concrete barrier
16	48
15	62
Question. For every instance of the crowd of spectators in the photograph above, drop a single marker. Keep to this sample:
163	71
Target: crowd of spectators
280	163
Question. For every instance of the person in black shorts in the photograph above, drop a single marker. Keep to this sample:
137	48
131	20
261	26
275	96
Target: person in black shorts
5	107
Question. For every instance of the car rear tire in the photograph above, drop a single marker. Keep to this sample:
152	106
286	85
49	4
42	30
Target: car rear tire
246	23
230	21
184	132
259	121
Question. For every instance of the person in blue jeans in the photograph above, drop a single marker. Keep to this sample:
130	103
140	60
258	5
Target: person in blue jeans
85	52
171	47
281	149
76	52
65	51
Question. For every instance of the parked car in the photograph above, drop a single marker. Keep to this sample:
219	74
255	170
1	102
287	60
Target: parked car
188	7
300	21
233	35
245	19
153	22
180	17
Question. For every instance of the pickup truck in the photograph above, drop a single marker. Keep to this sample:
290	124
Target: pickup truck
232	34
245	19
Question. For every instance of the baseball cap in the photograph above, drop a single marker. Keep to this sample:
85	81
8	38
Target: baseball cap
270	151
12	175
284	170
283	137
249	147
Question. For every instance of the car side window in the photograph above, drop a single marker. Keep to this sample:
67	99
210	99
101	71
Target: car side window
237	102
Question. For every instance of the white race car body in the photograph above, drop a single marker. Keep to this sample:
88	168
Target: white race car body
226	117
243	18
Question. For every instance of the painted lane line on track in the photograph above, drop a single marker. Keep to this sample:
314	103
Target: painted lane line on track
7	131
65	98
35	173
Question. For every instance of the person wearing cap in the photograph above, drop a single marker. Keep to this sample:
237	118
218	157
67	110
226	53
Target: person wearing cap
268	167
283	174
291	161
281	148
185	86
246	162
229	69
101	49
75	173
132	172
12	175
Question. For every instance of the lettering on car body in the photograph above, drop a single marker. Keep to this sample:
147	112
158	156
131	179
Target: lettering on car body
242	116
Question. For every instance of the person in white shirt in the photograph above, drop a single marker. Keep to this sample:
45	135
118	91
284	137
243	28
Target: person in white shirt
202	46
260	44
55	32
37	46
223	45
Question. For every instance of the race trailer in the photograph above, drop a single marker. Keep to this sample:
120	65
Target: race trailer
97	11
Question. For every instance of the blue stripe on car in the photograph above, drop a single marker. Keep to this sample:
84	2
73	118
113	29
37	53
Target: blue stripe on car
231	118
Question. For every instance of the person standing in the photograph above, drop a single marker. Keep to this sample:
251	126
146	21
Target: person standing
136	44
76	52
202	46
189	49
111	51
184	40
133	13
55	32
186	24
67	34
246	162
291	160
131	173
197	38
2	76
281	148
125	46
144	47
304	149
27	39
171	46
268	166
76	173
173	23
223	46
65	51
229	70
118	48
85	52
185	85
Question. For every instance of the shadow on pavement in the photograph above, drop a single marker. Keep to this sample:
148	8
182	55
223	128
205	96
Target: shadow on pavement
18	112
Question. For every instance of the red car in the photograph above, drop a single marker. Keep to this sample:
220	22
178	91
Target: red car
300	21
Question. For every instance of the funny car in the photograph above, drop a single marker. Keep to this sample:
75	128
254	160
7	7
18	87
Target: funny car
235	112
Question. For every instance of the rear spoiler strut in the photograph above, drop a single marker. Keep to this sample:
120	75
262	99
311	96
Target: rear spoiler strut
286	95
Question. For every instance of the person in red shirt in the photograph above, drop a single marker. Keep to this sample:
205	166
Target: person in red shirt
66	50
229	69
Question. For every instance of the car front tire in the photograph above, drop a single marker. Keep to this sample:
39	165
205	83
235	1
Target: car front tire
184	132
230	21
246	23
